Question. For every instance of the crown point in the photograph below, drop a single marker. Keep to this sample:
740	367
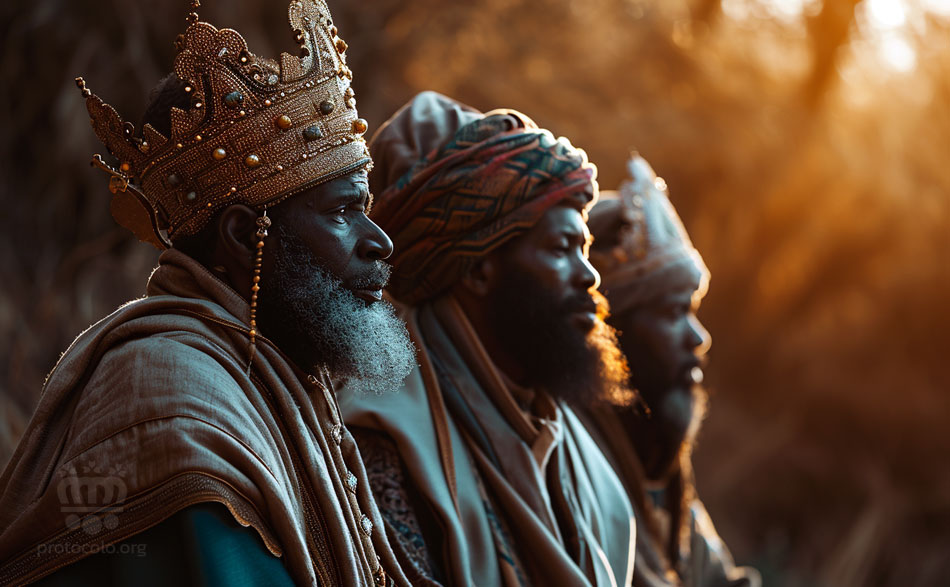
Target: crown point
284	122
219	153
360	125
81	84
327	107
252	161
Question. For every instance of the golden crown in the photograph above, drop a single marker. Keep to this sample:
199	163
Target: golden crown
256	132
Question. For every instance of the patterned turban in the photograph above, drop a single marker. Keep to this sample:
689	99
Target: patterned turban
456	184
641	248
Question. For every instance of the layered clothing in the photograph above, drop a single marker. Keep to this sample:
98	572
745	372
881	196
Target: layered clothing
156	408
677	543
519	492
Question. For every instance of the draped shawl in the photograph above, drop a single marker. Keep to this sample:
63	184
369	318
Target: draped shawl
523	494
152	410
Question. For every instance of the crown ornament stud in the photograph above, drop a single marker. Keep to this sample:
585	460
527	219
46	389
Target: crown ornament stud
256	130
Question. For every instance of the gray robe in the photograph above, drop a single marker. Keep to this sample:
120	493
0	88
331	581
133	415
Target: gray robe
520	492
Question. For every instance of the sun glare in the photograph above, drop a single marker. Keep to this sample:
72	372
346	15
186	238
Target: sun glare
897	53
887	14
885	25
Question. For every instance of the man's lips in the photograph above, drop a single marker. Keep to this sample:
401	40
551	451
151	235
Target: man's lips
585	315
696	374
369	295
692	373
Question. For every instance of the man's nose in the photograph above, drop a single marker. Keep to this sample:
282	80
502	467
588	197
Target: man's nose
585	276
699	338
375	244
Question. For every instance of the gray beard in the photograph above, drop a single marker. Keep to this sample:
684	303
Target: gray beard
316	321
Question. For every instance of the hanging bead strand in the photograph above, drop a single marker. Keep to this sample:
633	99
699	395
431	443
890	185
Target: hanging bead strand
263	223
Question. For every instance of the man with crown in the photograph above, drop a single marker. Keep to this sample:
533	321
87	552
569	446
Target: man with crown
194	435
655	279
483	472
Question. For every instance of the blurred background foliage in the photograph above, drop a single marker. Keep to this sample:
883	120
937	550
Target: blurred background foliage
806	145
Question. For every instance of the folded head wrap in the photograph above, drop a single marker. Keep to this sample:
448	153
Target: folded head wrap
641	248
456	184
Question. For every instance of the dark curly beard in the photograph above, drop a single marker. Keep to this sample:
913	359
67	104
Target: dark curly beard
315	320
665	425
536	327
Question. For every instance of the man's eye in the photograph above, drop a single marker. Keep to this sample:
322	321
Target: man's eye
339	214
672	311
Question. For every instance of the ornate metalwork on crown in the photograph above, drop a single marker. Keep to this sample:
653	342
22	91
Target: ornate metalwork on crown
256	131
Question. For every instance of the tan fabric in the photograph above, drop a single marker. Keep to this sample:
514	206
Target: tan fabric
417	129
459	429
151	410
703	560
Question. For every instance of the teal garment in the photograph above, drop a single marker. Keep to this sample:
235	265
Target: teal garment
200	545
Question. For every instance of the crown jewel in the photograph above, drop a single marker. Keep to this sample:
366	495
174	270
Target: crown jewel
256	131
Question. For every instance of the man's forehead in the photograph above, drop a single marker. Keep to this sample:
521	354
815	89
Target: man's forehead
560	219
358	179
679	295
352	185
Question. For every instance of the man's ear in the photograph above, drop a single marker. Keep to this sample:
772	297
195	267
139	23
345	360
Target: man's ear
480	279
236	234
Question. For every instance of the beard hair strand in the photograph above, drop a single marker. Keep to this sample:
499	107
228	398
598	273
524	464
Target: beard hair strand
581	369
316	320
